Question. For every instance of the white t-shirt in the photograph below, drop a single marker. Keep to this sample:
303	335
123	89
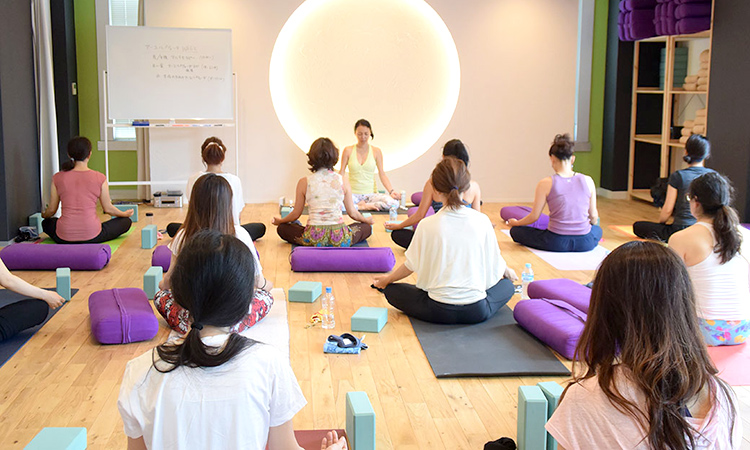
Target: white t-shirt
229	406
456	256
241	234
238	199
586	418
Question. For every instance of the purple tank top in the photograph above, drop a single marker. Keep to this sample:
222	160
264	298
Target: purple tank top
568	202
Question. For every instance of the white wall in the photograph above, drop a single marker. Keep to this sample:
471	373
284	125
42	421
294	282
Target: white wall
518	63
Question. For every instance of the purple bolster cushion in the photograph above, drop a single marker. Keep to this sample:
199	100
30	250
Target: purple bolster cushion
691	25
416	198
29	256
693	10
555	323
338	259
411	211
120	316
519	212
569	291
162	256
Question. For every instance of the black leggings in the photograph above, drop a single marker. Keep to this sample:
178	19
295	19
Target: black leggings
656	231
402	237
110	230
417	303
553	242
255	230
21	315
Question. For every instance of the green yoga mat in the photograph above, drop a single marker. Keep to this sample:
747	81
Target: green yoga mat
114	244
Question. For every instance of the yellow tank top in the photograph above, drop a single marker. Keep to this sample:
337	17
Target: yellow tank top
362	176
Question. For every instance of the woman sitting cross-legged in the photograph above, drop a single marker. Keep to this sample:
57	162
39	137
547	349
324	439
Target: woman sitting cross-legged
213	389
571	198
461	276
645	379
325	191
211	209
719	269
472	197
79	189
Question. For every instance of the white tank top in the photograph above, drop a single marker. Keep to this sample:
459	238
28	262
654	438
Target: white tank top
722	291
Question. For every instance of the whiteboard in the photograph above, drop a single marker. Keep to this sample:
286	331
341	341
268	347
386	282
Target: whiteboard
169	73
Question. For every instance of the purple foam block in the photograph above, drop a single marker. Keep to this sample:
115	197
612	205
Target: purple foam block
29	256
519	212
337	259
416	198
120	316
162	256
563	289
555	323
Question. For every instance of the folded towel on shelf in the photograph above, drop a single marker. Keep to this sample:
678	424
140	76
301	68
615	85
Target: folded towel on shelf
688	124
690	25
683	139
691	79
632	5
699	129
686	131
705	56
703	112
702	87
702	81
690	86
693	10
702	73
639	24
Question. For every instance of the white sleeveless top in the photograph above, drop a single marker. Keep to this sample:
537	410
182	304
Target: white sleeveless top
325	198
722	291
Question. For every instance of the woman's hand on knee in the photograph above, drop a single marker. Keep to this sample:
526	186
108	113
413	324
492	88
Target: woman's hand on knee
510	274
381	281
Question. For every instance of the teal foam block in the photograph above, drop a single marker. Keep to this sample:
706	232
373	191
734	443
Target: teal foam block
397	221
35	220
532	416
58	438
360	421
369	319
366	214
151	280
63	282
148	236
305	291
134	207
552	392
284	211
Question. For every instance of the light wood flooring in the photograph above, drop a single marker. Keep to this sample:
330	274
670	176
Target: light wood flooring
63	377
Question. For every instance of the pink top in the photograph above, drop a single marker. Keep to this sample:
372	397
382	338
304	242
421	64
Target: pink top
568	202
79	191
585	418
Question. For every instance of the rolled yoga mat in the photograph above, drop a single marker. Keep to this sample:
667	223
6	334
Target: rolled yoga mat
28	256
338	259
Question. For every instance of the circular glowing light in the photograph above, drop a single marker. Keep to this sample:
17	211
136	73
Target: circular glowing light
392	62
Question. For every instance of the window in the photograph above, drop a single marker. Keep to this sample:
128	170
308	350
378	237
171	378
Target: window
123	13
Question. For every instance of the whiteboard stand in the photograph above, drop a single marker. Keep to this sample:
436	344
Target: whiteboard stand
194	123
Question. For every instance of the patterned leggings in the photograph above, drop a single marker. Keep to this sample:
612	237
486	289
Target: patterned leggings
724	332
178	318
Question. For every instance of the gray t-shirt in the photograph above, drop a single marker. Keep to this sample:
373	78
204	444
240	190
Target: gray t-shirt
681	180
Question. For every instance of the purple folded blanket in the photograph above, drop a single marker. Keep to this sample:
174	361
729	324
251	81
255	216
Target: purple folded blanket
690	25
631	5
53	256
693	10
120	316
337	259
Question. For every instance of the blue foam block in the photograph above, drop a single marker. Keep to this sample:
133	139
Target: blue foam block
360	421
63	282
552	392
369	319
148	236
532	416
305	291
134	207
151	280
285	210
35	220
58	438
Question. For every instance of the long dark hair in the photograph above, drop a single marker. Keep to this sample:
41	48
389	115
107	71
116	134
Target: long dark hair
79	148
642	316
451	177
210	207
714	193
210	279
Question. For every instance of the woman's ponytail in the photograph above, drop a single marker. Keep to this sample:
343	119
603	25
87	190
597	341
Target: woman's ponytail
79	149
713	193
728	237
451	178
68	165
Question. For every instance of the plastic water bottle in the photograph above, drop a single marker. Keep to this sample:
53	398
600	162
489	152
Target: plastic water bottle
393	214
527	276
329	305
403	199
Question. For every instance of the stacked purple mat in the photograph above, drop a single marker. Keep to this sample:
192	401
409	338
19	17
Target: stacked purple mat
665	21
693	16
636	19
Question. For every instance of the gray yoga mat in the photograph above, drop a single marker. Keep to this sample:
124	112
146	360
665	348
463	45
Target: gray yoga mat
496	347
9	347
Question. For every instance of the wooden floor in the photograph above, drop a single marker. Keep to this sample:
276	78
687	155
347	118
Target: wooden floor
62	377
